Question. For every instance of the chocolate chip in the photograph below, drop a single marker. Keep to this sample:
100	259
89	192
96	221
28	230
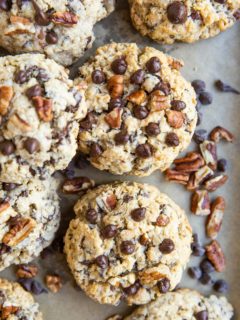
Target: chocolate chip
205	279
42	75
121	138
221	286
153	65
197	250
138	214
140	112
163	285
222	165
95	150
41	18
137	77
7	148
196	15
198	86
224	87
127	247
144	150
207	266
205	98
115	103
32	286
164	87
51	37
9	186
178	105
5	5
200	136
34	91
177	12
91	216
195	272
202	315
119	66
166	246
109	231
152	129
89	121
172	139
21	77
32	145
132	290
102	261
4	249
98	76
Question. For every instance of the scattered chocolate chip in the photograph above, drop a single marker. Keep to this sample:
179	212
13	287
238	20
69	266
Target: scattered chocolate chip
153	65
51	37
206	279
95	150
32	286
5	5
34	91
205	98
200	136
98	76
140	112
221	286
41	18
127	247
152	129
138	214
172	139
121	138
164	87
166	246
137	77
119	66
222	165
197	250
163	285
7	148
109	231
132	290
102	261
32	145
91	216
177	12
115	103
9	186
224	87
178	105
144	151
207	266
202	315
195	272
21	77
198	86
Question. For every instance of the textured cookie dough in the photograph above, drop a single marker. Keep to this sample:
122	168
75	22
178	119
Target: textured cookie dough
189	20
29	218
128	242
63	30
16	303
141	111
184	304
39	112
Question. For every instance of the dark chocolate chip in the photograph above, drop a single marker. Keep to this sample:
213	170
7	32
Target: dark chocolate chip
34	91
51	37
207	266
7	147
144	151
200	136
224	87
164	87
95	150
91	216
98	76
109	231
197	250
21	77
5	5
102	261
153	65
202	315
172	139
166	246
177	12
163	285
32	145
115	103
132	290
81	162
222	165
152	129
138	214
41	18
195	272
137	77
32	286
119	66
121	138
9	186
127	247
198	86
89	121
205	98
206	279
140	112
178	105
221	286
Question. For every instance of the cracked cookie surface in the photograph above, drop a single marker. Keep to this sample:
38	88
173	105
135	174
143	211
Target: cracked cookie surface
39	112
141	111
183	304
62	30
187	21
29	218
128	242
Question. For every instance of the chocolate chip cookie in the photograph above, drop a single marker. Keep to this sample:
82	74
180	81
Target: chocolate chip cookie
141	111
29	218
62	30
188	20
39	113
128	242
16	303
183	304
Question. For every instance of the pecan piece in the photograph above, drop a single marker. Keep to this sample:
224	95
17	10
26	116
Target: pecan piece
176	64
76	185
177	176
53	282
158	101
149	276
200	203
214	221
22	20
114	118
216	182
66	19
199	177
175	119
6	94
215	255
219	133
190	163
17	122
209	153
7	311
27	271
115	86
4	206
44	108
137	97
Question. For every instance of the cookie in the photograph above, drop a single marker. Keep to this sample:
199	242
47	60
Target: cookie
183	304
39	112
16	303
141	111
29	218
128	242
187	21
63	30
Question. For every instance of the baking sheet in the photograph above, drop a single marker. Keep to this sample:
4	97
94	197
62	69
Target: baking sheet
217	58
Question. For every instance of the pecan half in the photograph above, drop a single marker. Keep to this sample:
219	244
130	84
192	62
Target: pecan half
214	221
53	282
190	163
219	133
177	176
209	153
198	177
7	311
44	108
200	203
115	86
27	271
158	101
137	97
215	255
66	19
78	184
114	118
6	94
214	183
17	122
175	119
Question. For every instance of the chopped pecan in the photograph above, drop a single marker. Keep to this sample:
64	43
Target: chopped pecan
216	182
158	101
44	108
199	177
176	64
27	271
111	201
177	176
114	118
200	203
66	19
22	20
18	232
8	311
214	221
4	206
115	86
144	240
209	153
6	94
137	97
78	184
190	163
53	282
150	276
215	255
162	220
175	119
219	133
17	122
